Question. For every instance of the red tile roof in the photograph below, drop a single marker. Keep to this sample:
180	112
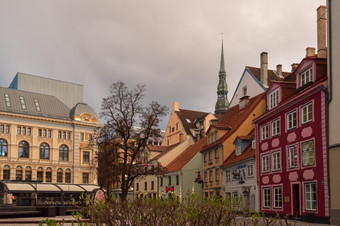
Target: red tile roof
181	160
156	148
246	154
164	149
189	118
234	117
272	76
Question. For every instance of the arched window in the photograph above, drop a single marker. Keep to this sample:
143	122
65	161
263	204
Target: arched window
6	172
44	151
68	176
3	147
63	153
60	175
23	149
48	175
40	174
18	173
28	173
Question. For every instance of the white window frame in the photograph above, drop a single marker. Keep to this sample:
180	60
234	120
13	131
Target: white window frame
228	175
276	160
264	132
292	157
308	153
217	175
250	170
265	163
266	198
291	120
306	77
310	192
307	113
275	127
238	150
274	99
277	197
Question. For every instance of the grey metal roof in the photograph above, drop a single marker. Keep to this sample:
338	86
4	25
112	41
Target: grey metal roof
83	108
50	106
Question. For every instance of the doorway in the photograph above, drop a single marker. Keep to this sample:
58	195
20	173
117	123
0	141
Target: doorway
296	200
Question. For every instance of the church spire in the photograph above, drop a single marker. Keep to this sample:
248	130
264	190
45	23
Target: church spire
222	68
222	102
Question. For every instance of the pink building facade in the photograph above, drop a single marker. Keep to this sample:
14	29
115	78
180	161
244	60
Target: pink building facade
291	145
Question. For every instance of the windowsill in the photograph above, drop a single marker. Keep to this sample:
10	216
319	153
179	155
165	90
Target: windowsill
303	123
304	86
288	129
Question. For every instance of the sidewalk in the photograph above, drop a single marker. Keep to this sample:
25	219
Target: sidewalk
69	219
35	220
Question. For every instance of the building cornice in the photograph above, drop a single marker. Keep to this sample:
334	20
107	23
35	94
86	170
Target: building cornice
70	122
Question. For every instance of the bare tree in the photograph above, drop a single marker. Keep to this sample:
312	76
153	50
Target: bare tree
124	135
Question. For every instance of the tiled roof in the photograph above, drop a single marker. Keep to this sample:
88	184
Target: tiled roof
49	106
234	118
164	149
246	154
180	161
156	148
189	118
272	76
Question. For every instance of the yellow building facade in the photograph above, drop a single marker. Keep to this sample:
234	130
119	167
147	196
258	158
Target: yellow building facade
42	139
221	136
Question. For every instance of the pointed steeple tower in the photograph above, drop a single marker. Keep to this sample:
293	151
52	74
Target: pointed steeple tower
222	103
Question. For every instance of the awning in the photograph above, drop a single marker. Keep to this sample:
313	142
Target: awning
71	188
23	186
46	187
19	187
89	187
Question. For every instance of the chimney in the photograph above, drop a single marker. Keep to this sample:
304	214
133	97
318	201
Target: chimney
175	106
294	66
243	102
321	25
279	70
310	51
264	68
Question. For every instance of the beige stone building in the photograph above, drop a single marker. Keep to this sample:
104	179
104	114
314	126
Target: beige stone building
41	138
333	55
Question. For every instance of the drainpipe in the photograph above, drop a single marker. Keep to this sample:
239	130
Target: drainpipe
330	89
73	144
329	50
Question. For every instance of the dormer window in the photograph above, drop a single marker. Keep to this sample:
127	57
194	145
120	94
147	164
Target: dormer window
273	99
253	144
37	105
306	77
7	100
238	150
23	103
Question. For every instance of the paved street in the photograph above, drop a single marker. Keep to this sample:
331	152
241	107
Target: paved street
70	219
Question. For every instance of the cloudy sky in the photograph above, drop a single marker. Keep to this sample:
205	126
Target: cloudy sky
171	46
